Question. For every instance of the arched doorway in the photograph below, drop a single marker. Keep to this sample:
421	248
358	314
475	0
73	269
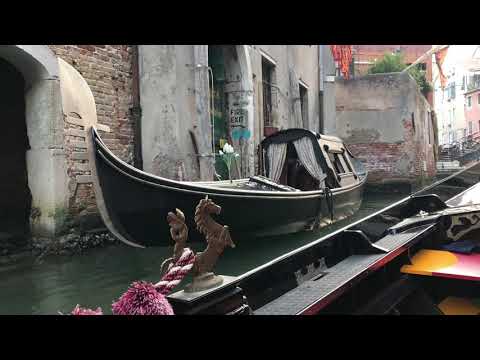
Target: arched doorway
232	104
32	141
15	196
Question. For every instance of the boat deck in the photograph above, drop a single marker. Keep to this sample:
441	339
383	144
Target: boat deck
311	296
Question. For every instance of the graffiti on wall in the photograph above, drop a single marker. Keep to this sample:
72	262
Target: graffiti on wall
238	116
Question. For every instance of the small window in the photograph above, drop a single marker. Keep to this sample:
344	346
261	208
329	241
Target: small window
335	160
470	127
478	99
413	121
268	78
452	91
345	160
304	105
469	101
429	126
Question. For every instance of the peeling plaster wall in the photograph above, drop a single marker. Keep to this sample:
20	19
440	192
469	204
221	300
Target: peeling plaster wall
174	100
158	99
329	111
374	117
293	63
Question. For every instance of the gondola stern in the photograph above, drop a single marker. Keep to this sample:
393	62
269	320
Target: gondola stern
107	217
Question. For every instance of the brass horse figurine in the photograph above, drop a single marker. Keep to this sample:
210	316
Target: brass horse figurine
217	236
179	234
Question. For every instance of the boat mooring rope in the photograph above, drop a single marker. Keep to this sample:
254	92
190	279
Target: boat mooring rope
176	272
329	199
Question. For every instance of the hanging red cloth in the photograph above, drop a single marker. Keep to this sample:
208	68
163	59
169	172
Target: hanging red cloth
336	52
342	54
439	59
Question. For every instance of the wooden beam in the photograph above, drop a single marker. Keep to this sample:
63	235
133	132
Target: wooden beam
424	56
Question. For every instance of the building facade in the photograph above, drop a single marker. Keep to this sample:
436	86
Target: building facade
450	101
389	125
257	89
472	113
155	106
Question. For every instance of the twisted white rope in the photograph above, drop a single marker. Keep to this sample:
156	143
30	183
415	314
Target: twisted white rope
176	272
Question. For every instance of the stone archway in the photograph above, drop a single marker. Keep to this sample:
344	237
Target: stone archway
15	197
45	159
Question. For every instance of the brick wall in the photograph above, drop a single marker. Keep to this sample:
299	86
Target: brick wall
385	122
108	71
365	54
382	159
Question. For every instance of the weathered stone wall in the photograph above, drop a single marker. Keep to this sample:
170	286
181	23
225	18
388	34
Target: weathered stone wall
169	110
366	55
108	71
327	87
293	63
174	100
386	122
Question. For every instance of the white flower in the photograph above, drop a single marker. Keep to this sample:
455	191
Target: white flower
221	152
228	149
237	155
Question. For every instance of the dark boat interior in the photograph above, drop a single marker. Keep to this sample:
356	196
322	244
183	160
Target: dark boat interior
423	271
294	174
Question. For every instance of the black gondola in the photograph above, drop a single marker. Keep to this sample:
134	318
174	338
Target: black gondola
385	263
318	182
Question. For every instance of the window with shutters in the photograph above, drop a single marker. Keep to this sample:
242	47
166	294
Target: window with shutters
268	77
304	105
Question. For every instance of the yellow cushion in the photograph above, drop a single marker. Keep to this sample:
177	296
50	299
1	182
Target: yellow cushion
427	261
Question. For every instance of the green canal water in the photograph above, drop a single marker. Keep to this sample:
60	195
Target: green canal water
100	276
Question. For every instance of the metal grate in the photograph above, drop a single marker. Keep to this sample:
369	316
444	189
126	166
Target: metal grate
267	104
267	79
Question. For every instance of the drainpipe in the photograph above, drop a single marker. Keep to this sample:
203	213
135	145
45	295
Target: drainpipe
320	90
136	111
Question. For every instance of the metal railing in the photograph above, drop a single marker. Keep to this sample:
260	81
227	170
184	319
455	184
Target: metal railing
464	150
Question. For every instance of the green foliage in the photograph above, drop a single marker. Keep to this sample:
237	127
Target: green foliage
421	79
389	63
395	63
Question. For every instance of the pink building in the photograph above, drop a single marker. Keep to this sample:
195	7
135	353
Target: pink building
472	113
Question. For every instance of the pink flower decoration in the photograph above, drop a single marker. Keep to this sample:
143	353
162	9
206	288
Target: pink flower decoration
142	298
84	311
